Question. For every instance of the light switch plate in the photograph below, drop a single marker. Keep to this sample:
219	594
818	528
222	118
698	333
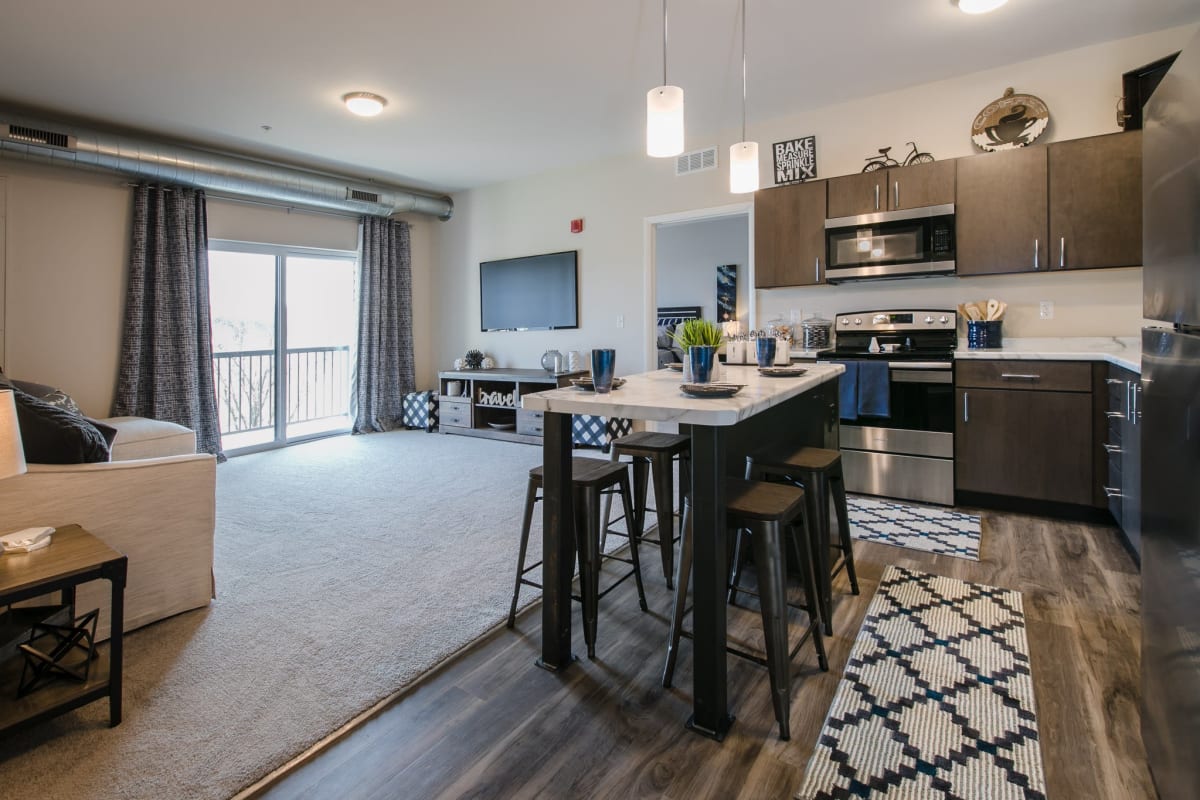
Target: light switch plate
1046	309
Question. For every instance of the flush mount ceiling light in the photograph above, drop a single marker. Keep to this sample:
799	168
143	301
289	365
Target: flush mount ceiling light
664	112
979	6
743	156
364	104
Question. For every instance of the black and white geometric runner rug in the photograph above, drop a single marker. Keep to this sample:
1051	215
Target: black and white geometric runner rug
936	701
937	530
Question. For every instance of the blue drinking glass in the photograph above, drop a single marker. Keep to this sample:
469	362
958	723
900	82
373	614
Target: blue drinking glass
702	357
766	351
604	361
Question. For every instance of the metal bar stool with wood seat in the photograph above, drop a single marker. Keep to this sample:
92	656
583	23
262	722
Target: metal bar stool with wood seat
590	478
819	472
772	512
654	453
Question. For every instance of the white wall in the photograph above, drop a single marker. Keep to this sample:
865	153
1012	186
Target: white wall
66	253
615	196
687	257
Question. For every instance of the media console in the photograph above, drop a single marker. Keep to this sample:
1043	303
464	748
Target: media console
489	404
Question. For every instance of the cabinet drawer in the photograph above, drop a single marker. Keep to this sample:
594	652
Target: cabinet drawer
1048	376
454	407
457	414
530	423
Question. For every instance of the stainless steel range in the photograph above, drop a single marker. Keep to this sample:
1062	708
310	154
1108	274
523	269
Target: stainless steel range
909	453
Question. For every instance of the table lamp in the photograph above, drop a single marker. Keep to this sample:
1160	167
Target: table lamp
12	463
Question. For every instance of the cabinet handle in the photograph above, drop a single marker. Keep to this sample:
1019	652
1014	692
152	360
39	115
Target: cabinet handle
1114	380
1115	414
1133	402
877	197
1019	376
1036	248
1111	448
817	268
966	407
1062	252
896	193
1111	492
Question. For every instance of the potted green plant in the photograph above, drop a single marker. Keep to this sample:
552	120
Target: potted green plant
699	339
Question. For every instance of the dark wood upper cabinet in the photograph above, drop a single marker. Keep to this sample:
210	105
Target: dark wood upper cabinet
1001	213
1096	201
864	193
921	185
892	189
789	235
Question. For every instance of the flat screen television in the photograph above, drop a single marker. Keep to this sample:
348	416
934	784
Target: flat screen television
530	293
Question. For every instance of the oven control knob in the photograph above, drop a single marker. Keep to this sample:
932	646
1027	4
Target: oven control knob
857	321
845	320
929	320
943	319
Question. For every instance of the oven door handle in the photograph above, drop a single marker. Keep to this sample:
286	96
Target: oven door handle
903	365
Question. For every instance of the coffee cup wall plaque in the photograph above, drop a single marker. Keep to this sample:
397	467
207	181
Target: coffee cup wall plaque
1014	120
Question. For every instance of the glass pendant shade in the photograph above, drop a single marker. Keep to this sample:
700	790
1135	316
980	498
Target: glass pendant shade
743	167
979	6
664	121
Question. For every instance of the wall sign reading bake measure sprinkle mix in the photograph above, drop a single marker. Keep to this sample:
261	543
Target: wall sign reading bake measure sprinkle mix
1014	120
795	159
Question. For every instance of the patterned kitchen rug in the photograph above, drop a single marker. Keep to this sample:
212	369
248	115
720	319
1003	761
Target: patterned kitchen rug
937	530
936	700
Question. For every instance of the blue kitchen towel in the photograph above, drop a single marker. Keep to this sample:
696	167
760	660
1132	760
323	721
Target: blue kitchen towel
874	389
848	390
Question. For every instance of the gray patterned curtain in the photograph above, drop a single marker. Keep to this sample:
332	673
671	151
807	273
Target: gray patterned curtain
166	367
385	348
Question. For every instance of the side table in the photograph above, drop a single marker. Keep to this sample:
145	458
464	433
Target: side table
73	557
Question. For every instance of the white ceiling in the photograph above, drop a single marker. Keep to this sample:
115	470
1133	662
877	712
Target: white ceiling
486	90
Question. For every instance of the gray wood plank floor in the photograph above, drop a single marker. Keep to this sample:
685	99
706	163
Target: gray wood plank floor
491	725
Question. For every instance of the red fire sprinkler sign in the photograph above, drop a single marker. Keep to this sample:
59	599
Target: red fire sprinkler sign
577	225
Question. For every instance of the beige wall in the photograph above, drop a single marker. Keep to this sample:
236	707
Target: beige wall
64	243
616	196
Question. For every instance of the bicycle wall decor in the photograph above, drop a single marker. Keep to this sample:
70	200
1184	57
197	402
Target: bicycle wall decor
883	160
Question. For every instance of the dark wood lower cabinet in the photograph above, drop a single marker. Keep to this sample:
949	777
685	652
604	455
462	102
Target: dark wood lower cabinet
1024	443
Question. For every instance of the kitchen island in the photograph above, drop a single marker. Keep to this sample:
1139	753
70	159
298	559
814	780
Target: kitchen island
802	410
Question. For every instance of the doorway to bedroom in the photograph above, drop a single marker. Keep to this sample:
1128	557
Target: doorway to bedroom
701	267
284	324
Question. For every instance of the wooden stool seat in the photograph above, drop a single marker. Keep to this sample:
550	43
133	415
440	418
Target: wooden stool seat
654	453
590	479
774	514
819	472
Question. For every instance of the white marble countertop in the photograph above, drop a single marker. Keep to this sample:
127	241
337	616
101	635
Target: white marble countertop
1124	351
656	396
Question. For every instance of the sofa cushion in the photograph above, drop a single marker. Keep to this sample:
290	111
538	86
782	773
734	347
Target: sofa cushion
138	437
53	435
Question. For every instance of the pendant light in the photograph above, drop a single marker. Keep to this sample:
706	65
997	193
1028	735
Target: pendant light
664	112
743	156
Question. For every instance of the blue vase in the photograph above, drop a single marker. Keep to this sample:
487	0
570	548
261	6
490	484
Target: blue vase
604	362
702	357
765	351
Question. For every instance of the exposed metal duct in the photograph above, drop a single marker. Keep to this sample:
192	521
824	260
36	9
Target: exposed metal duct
70	145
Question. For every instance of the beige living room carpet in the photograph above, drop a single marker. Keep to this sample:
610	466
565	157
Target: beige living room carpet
345	569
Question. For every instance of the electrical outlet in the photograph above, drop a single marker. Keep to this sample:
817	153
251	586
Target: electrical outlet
620	320
1046	309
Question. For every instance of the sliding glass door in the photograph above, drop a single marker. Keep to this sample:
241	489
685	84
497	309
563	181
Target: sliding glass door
284	326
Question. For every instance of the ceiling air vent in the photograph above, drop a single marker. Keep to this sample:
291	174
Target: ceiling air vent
358	194
696	161
23	133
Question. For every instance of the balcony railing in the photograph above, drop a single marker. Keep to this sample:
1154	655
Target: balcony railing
318	381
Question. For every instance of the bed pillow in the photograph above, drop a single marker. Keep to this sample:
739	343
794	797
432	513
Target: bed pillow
54	435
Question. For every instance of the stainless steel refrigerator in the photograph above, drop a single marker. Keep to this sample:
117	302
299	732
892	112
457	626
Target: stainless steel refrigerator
1170	428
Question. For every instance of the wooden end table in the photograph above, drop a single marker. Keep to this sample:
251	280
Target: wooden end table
73	557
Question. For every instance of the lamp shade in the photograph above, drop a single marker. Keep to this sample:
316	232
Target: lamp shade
743	167
12	453
664	121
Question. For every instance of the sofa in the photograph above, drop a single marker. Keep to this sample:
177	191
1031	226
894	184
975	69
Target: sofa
155	501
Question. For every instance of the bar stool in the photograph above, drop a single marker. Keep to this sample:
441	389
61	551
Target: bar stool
655	452
590	478
819	472
771	512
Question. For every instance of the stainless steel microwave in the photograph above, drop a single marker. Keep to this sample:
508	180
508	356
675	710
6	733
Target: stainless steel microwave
890	244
